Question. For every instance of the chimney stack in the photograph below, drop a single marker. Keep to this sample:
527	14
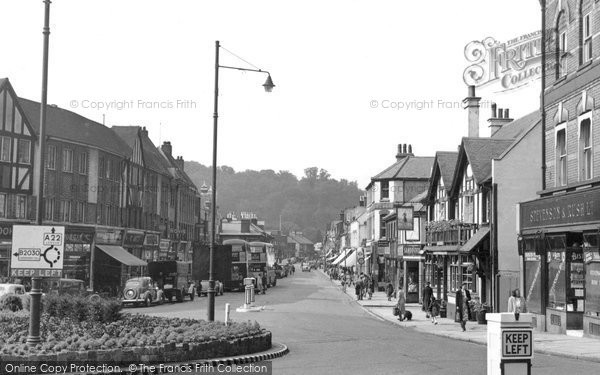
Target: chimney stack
180	162
144	132
471	104
404	150
498	119
167	148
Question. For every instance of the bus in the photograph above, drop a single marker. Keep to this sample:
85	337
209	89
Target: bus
262	260
237	267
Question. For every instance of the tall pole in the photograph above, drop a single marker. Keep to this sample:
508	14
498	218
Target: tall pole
36	291
213	218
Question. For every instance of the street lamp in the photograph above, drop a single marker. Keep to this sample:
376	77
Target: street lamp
268	86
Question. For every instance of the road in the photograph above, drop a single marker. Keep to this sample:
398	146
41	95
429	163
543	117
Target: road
327	333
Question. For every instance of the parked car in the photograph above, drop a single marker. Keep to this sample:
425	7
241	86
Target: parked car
280	272
141	291
12	289
306	267
203	288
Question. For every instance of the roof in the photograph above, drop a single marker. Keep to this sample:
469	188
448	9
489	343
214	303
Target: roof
446	162
174	169
475	240
480	152
515	128
2	81
70	126
152	157
298	238
419	198
408	167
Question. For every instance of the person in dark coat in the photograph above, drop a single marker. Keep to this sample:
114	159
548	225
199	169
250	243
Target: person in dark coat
358	287
264	283
427	294
389	290
463	311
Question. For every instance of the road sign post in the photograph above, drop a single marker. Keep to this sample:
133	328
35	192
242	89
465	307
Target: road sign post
510	344
38	252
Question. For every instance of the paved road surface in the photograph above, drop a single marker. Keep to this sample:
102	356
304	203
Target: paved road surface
327	333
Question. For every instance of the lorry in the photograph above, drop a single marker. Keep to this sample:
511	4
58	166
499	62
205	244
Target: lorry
174	278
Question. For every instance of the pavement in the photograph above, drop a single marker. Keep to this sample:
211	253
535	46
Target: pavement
582	348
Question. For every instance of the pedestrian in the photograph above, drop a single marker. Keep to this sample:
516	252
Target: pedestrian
515	304
427	295
259	284
389	289
434	306
358	290
401	304
370	287
463	311
344	285
265	282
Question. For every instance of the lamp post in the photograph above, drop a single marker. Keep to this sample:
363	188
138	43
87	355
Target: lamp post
268	86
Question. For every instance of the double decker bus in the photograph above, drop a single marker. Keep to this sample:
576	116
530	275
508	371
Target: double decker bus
238	266
261	259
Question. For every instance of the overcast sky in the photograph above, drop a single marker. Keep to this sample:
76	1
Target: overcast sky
328	59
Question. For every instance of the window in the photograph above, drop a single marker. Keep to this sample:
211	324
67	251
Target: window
385	190
562	54
80	211
49	209
561	157
83	164
4	148
21	211
24	151
102	168
2	205
65	210
51	158
585	149
108	171
587	38
67	160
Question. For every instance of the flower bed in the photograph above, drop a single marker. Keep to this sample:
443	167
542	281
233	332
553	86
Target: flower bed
131	339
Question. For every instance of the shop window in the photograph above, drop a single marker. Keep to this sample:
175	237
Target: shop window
556	279
585	148
561	157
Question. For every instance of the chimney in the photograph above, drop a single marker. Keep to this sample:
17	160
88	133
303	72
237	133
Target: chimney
144	132
499	118
179	162
167	148
404	150
471	104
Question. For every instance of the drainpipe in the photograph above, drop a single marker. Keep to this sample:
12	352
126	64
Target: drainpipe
543	94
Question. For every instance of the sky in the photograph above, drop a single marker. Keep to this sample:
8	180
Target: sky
354	78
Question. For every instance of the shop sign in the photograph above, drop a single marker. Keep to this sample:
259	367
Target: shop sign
591	255
109	237
164	245
411	250
532	257
517	343
151	239
6	232
134	238
405	218
572	208
383	206
79	235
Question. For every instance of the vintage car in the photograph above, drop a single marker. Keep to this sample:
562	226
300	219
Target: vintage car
306	267
203	288
141	291
17	289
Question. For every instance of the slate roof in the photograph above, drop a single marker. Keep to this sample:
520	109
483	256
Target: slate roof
70	126
516	128
480	152
152	158
446	161
408	167
174	169
299	239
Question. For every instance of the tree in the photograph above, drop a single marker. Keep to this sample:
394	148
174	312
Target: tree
324	175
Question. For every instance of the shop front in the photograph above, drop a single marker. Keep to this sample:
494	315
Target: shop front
151	247
413	262
561	262
78	253
134	242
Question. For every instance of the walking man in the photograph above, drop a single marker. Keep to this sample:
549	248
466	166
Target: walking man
463	311
427	294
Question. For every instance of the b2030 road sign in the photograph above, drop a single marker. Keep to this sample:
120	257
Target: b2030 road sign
37	247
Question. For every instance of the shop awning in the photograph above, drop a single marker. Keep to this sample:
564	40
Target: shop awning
350	261
121	255
446	249
474	241
329	252
340	260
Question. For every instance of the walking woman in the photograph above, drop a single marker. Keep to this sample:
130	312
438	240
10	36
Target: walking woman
401	304
463	311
